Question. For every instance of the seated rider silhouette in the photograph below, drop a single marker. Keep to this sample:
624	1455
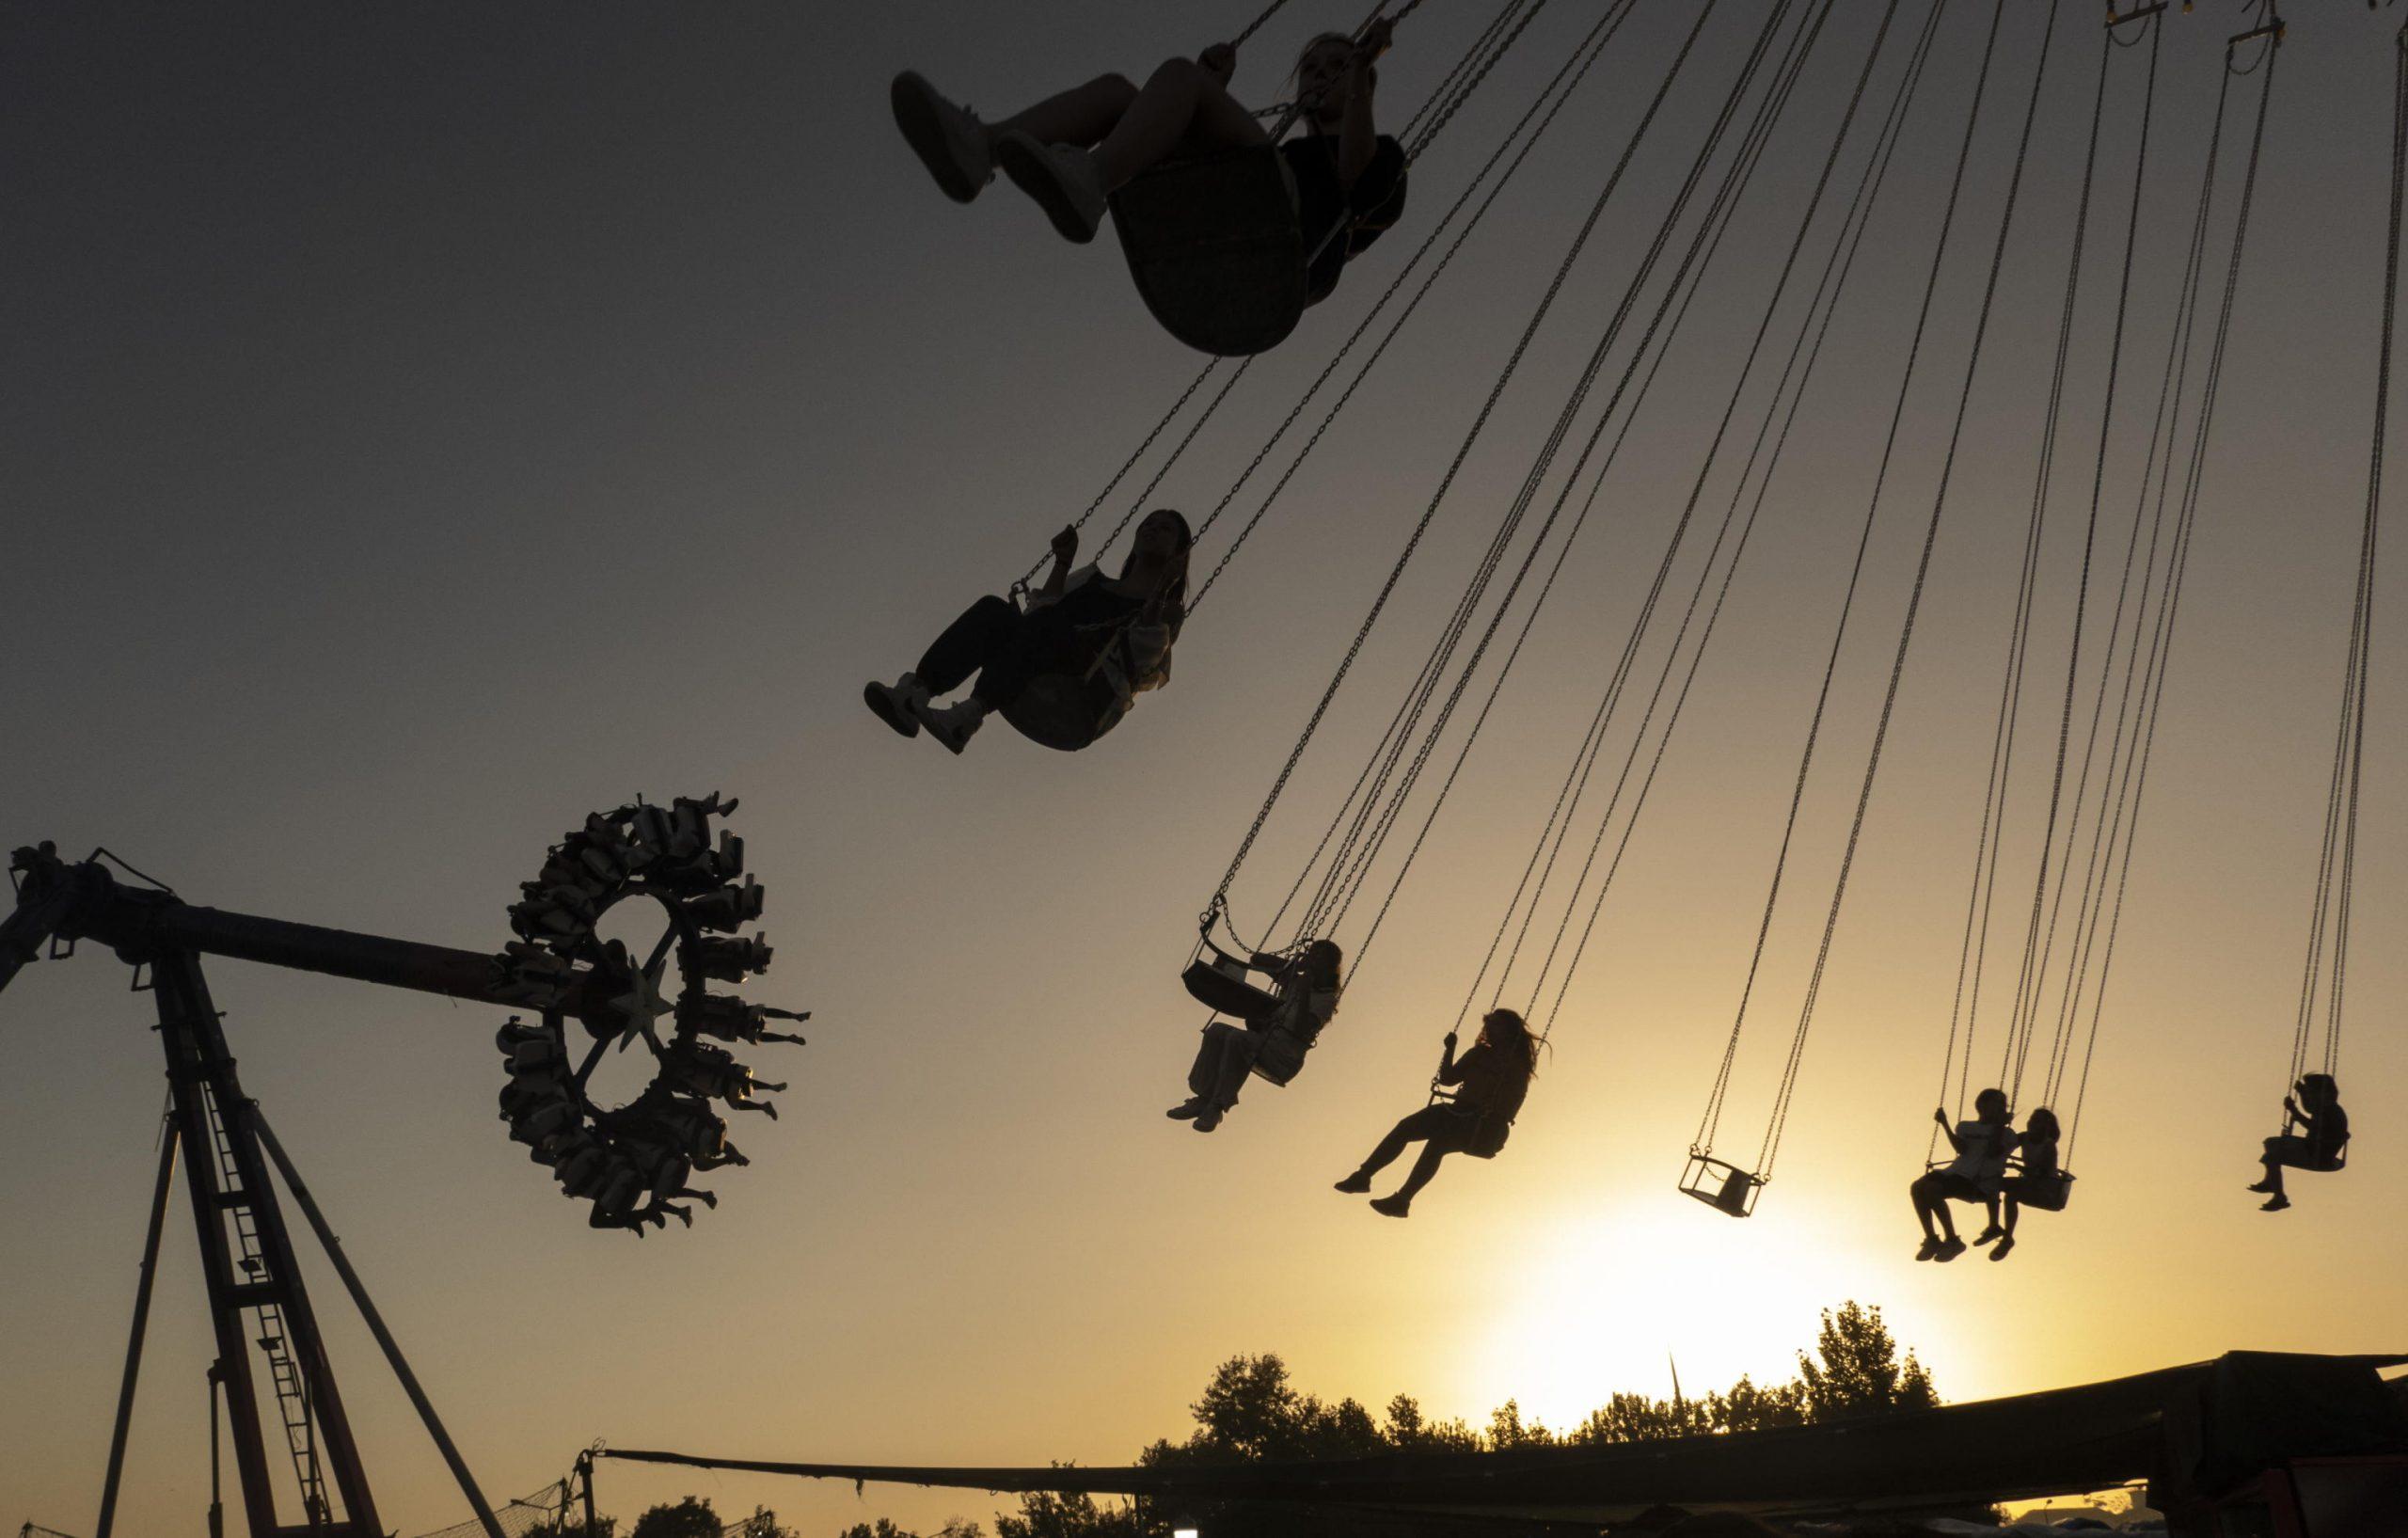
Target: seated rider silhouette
1107	637
1974	1175
2324	1130
1494	1078
1071	151
1273	1046
2037	1181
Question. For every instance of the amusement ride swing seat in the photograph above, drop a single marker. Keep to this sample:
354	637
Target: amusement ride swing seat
1220	984
1063	711
1215	250
1721	1184
1282	1037
1067	712
1489	1133
2332	1164
2049	1198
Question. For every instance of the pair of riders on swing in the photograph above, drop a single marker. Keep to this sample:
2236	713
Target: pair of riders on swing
1979	1173
1071	151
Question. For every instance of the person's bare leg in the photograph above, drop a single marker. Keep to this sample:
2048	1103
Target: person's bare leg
1080	116
1182	108
1922	1210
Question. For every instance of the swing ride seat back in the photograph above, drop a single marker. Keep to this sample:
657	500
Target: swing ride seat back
1213	247
1721	1184
2048	1198
1219	983
1061	712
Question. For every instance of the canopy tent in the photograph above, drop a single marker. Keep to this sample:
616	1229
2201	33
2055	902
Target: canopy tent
2188	1430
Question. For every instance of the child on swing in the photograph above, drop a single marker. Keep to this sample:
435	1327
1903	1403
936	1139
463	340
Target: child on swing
1981	1147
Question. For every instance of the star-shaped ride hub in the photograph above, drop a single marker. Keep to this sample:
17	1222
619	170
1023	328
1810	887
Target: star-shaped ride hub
633	1161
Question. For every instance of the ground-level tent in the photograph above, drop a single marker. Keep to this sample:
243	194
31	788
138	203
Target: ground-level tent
2195	1433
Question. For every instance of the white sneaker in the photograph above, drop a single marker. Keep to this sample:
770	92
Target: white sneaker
950	140
891	703
1062	179
951	724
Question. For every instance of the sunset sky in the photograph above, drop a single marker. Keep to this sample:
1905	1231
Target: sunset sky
424	426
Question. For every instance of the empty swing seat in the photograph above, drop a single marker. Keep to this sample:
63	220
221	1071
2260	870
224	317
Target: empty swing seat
1213	247
1721	1184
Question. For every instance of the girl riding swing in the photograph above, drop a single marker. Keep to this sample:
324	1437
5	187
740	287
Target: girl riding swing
1064	669
1245	232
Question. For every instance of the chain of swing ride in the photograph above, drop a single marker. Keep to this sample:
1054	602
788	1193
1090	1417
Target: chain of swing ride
2135	755
2035	965
1371	810
1344	875
1973	953
1556	832
2115	819
1703	1145
2329	917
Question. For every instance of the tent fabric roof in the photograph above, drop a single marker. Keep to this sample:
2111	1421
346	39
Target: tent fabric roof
2054	1442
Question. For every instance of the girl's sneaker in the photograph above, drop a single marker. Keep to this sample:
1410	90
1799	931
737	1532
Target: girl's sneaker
949	140
892	703
1061	178
951	724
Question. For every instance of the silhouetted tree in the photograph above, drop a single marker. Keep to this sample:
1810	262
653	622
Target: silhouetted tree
1634	1417
568	1527
1047	1516
1859	1372
954	1527
1746	1407
1507	1430
1250	1413
692	1517
1409	1431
